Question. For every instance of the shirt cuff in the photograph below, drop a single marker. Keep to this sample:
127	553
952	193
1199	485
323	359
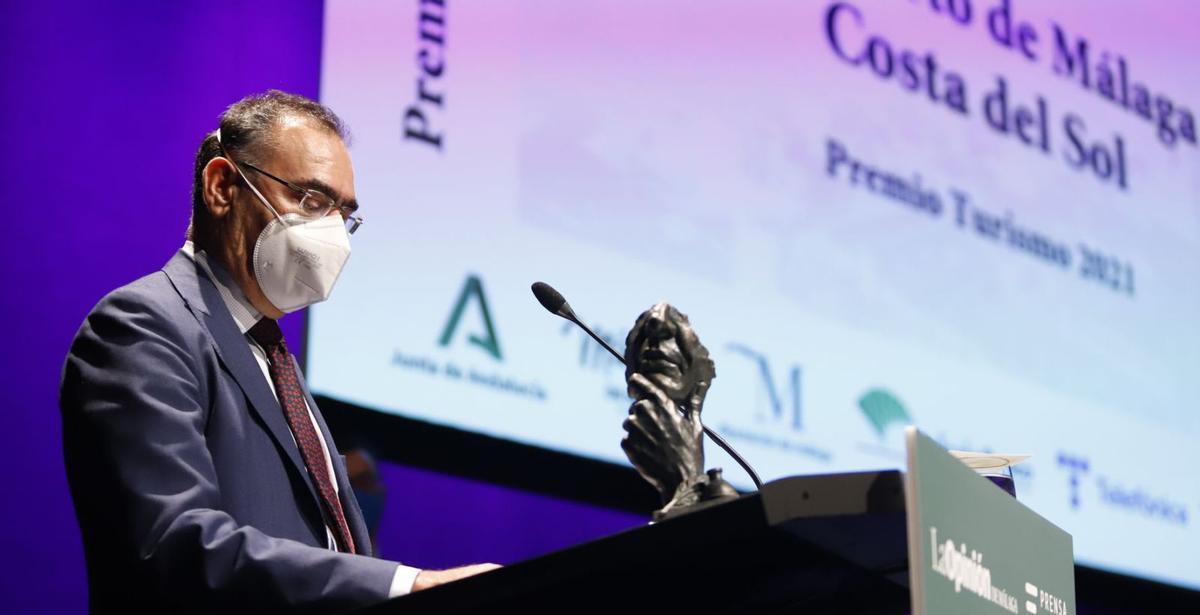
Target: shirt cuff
402	581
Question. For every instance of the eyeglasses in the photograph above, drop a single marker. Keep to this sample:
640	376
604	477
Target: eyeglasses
314	203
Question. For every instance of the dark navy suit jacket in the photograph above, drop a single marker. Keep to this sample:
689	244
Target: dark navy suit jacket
189	489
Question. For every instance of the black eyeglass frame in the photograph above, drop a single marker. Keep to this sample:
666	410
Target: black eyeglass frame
347	212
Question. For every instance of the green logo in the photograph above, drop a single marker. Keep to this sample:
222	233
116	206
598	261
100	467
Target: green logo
883	410
473	289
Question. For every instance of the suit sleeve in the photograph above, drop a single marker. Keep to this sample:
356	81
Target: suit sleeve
134	415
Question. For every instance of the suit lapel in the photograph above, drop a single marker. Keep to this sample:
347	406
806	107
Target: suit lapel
206	305
354	518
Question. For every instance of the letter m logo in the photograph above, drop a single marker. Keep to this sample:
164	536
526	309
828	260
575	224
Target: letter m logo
783	402
472	290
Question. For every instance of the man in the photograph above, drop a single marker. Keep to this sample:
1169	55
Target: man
203	475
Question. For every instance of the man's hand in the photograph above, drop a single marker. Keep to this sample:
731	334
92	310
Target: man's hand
432	578
664	445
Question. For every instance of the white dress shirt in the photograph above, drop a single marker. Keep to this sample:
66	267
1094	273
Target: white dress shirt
246	316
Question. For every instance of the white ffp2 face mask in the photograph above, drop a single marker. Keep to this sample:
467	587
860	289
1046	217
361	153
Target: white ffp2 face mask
297	261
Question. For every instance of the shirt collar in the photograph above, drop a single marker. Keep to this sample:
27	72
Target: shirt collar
235	300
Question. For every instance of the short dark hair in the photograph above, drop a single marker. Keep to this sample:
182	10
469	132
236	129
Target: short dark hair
248	127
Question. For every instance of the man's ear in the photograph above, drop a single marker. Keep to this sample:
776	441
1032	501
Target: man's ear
220	186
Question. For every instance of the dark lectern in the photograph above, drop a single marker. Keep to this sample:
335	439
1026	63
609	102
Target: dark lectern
831	543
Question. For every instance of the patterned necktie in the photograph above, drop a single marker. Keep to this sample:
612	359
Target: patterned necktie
291	398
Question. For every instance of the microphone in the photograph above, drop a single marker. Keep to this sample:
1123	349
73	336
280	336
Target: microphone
556	304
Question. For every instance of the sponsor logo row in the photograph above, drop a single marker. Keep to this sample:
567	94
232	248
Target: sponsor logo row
778	419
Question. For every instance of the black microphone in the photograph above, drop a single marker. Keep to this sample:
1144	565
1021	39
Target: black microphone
556	304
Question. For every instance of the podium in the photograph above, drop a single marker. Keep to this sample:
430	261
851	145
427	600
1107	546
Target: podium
827	543
830	543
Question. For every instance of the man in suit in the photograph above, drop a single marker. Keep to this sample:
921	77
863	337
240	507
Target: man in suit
203	475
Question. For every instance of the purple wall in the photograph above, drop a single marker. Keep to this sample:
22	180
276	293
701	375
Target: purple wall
103	108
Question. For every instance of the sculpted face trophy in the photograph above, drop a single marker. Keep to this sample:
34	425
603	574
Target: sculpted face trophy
668	372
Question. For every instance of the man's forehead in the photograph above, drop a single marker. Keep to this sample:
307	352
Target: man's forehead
306	140
311	152
291	121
